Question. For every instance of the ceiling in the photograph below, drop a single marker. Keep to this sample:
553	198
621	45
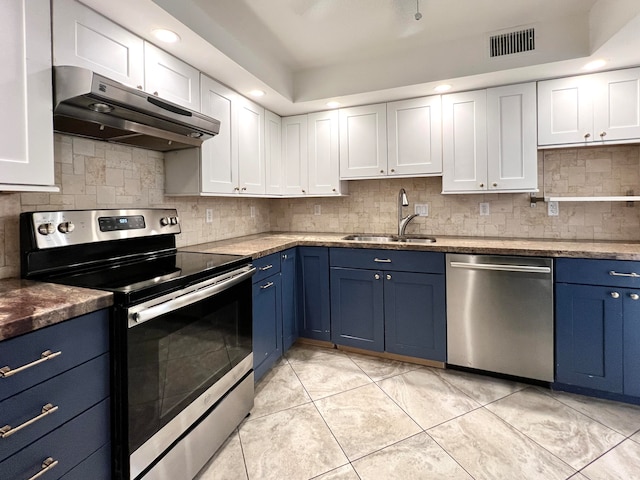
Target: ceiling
303	53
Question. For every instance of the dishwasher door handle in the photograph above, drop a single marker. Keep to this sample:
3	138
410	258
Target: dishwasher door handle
501	268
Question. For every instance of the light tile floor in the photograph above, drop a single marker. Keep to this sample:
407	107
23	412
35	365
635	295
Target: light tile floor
329	415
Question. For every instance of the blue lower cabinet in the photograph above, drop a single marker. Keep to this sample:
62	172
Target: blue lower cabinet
313	293
288	263
631	345
415	315
267	324
357	308
589	337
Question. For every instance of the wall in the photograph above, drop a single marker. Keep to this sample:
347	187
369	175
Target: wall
371	206
94	174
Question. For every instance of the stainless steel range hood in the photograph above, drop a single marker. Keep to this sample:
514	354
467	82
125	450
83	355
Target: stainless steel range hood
93	106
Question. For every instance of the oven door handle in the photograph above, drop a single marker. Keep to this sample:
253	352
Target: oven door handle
188	298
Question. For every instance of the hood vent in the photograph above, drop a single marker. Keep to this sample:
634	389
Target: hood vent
96	107
512	42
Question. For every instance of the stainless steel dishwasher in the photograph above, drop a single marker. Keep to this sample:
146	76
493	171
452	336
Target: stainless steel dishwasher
500	314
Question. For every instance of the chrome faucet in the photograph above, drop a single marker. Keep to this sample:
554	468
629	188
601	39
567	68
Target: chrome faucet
403	201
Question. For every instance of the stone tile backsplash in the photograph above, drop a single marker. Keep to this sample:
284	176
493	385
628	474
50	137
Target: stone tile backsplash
100	175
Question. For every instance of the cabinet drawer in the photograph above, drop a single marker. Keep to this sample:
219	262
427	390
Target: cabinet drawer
72	392
96	467
615	273
69	445
266	266
376	259
78	340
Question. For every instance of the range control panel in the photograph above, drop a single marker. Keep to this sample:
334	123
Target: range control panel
75	227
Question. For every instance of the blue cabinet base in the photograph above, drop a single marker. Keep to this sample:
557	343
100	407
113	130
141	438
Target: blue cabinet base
590	392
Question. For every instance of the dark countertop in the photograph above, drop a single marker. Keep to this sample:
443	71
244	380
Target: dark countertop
26	305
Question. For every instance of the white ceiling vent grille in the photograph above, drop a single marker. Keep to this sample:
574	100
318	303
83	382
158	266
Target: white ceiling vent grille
512	42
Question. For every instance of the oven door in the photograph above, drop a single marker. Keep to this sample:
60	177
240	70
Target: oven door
185	351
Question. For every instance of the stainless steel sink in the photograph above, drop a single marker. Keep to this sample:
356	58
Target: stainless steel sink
417	240
363	237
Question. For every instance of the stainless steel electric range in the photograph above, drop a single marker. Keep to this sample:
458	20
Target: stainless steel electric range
181	331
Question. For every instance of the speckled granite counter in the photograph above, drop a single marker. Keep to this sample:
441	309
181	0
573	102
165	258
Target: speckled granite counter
263	244
26	305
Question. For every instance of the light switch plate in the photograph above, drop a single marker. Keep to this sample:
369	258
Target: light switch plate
552	209
484	209
421	209
209	215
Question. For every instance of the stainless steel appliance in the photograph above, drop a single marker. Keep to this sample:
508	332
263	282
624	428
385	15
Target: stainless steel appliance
93	106
181	331
500	314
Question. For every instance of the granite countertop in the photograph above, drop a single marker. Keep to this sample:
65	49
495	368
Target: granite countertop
27	305
263	244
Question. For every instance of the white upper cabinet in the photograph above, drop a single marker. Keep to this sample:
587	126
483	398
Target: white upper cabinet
294	155
363	142
169	78
26	123
489	140
250	144
273	153
590	109
414	137
324	158
83	38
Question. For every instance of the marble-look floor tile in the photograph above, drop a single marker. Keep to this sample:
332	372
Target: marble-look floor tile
621	463
292	444
279	389
565	432
489	449
579	476
329	374
379	368
427	398
301	352
636	437
416	458
365	420
621	417
346	472
227	463
483	389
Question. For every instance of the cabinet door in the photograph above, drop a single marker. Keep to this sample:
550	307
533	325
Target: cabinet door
511	138
250	145
273	152
415	315
294	155
324	158
464	142
313	293
289	301
589	337
363	141
631	343
83	38
170	78
414	136
565	110
26	123
616	105
219	157
357	308
267	324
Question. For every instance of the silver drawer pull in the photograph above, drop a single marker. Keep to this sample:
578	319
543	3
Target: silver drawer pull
616	274
634	296
47	465
266	285
7	430
266	267
382	260
46	355
615	295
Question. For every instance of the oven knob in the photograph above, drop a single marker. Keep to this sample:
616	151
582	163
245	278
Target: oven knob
46	228
66	227
174	220
164	221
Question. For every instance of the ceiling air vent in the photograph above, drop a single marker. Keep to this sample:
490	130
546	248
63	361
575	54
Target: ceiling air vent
512	42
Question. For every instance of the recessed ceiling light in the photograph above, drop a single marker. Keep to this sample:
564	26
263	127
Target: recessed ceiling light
257	93
594	65
166	36
333	104
443	88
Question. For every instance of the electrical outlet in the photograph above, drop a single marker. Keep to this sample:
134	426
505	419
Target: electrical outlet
317	210
252	211
552	209
421	209
484	209
209	215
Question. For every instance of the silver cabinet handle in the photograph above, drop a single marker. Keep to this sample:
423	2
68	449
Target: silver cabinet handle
587	135
382	260
6	371
603	134
388	277
502	268
47	465
376	276
8	430
615	294
266	267
634	296
266	285
616	274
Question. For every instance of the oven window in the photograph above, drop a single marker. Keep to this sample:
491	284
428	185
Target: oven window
177	356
